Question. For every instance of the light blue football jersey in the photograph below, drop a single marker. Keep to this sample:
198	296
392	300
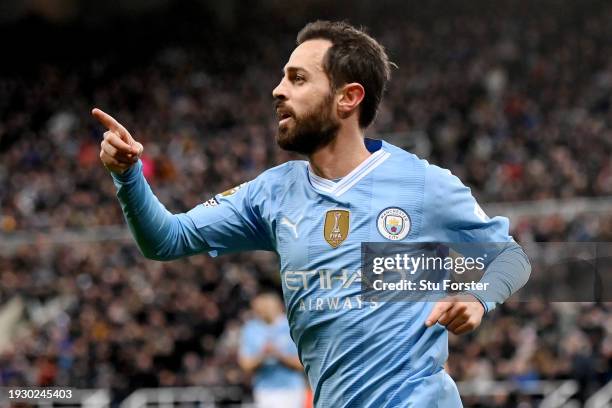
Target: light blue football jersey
272	374
355	353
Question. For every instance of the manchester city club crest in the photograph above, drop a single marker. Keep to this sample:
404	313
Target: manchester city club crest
393	223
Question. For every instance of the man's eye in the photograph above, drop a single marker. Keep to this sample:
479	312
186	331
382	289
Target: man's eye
299	78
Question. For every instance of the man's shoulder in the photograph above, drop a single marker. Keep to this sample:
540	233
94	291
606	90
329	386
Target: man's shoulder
404	160
405	157
441	177
437	173
442	186
434	176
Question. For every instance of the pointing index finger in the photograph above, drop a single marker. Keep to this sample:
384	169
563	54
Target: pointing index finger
110	123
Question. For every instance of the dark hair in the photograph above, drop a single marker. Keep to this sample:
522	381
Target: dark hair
353	57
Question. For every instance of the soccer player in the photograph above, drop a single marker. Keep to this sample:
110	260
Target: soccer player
267	352
315	214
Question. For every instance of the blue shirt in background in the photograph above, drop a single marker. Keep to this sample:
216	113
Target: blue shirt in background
272	374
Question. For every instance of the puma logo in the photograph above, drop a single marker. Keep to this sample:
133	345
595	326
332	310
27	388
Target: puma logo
292	226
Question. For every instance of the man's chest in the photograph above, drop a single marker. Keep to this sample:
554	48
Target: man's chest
329	232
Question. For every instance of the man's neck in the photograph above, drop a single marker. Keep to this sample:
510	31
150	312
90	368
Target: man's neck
341	156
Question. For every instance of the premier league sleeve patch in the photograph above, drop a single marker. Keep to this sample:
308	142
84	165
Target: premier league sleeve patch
211	203
393	223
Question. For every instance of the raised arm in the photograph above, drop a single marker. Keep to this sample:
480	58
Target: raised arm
230	222
159	234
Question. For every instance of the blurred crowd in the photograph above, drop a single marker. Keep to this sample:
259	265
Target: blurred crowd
128	322
517	103
517	107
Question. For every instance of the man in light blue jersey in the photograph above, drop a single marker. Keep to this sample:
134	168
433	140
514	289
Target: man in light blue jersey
268	353
315	214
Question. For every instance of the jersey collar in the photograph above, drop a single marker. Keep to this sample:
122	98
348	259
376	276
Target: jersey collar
337	189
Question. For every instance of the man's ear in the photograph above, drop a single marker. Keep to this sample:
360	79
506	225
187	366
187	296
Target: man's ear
349	98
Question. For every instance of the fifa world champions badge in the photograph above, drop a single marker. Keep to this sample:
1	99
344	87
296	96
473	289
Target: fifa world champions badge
336	228
393	223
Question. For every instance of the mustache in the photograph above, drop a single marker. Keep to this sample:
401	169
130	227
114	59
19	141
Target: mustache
279	105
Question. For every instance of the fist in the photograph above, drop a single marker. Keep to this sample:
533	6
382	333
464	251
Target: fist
118	150
460	314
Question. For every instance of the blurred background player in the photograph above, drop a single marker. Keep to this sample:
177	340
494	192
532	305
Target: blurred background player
270	356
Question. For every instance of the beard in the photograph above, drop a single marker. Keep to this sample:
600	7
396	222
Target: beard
310	132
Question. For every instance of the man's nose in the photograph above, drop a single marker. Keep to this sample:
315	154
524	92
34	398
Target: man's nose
280	92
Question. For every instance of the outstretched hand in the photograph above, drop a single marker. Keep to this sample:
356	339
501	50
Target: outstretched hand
460	314
118	150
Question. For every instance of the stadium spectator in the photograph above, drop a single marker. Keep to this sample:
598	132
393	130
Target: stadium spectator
269	355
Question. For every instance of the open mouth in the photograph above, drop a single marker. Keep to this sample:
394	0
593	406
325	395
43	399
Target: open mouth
284	117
